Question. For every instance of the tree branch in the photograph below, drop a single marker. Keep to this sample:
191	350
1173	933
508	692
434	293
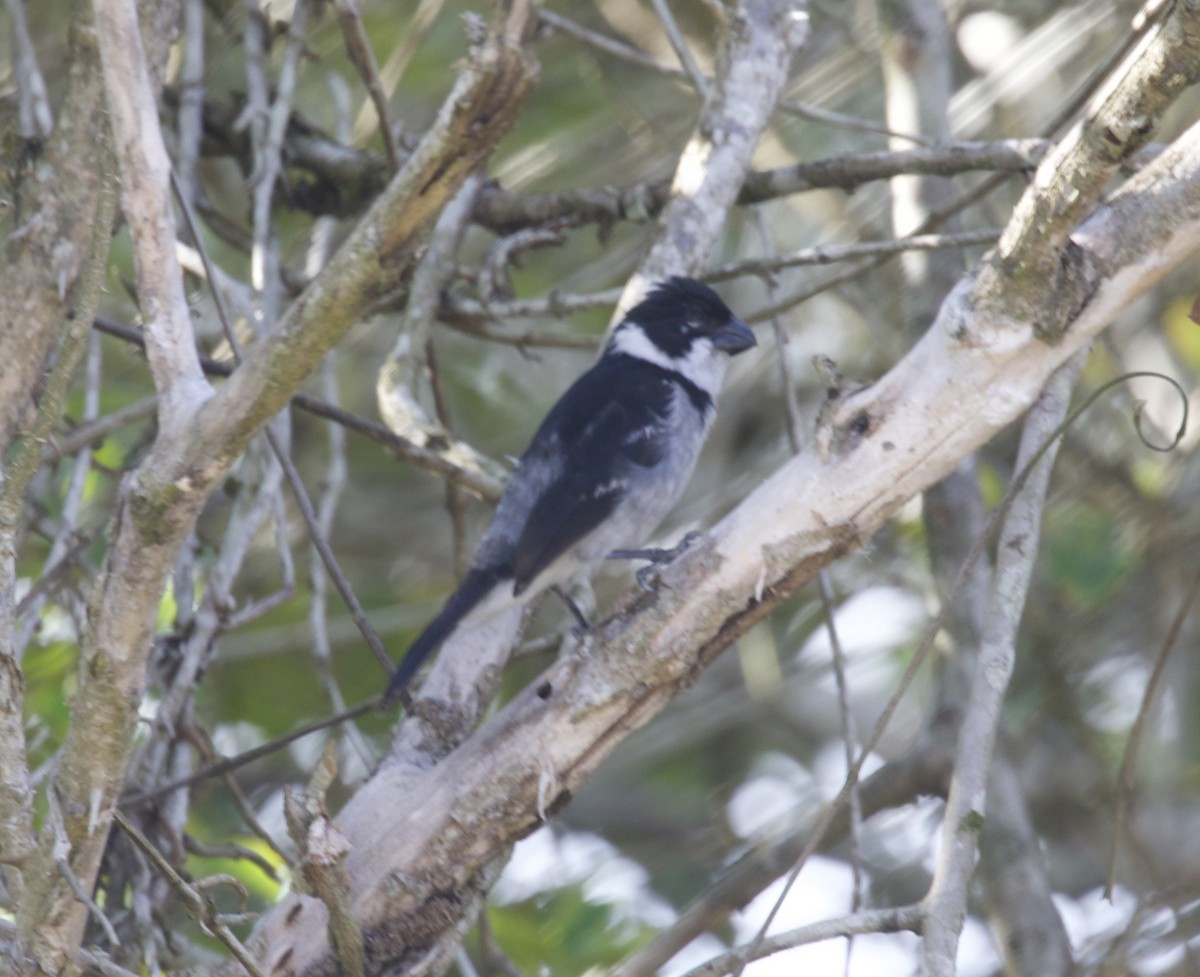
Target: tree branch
146	200
1016	550
763	36
382	250
1028	265
162	497
419	836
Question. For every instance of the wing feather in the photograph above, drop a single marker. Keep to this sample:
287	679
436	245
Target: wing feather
610	427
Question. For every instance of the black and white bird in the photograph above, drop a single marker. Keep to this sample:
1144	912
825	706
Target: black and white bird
608	462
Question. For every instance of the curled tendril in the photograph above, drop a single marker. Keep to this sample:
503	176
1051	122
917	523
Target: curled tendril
1140	406
1138	411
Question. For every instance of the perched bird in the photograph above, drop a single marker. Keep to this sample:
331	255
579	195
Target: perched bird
607	463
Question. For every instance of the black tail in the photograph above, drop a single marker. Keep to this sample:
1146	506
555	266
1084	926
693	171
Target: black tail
474	587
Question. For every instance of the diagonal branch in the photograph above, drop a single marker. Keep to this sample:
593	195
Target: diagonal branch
1016	550
162	497
882	445
1034	259
764	35
382	251
146	200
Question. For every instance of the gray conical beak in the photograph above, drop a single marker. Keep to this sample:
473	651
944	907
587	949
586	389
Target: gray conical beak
734	337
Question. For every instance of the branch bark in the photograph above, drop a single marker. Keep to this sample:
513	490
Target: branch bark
946	903
161	498
420	841
1034	258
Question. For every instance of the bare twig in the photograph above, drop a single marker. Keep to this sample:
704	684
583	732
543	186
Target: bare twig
233	852
190	121
146	193
477	482
899	920
362	56
197	905
946	903
404	368
203	743
679	46
33	105
267	130
829	253
1125	777
455	499
850	742
266	749
626	52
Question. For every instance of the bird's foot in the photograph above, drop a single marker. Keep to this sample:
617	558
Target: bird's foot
582	624
657	557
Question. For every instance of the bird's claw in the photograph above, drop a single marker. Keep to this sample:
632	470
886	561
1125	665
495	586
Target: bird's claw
656	557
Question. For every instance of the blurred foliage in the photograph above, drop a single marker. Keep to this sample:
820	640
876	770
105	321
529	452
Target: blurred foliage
1121	535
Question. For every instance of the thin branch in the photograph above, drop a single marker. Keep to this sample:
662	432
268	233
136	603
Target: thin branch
267	142
197	904
849	739
203	743
679	46
477	482
899	920
1125	777
946	903
358	46
33	103
829	253
190	122
455	498
402	371
266	749
603	42
146	193
89	434
472	316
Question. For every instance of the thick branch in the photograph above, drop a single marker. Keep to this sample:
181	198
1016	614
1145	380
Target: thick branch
53	207
1028	266
161	499
763	37
381	252
416	842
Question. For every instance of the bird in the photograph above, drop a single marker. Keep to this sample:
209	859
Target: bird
607	463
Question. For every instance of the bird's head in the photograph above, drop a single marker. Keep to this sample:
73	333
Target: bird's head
683	325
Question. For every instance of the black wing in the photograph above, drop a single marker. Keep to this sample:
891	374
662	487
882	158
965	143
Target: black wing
606	426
